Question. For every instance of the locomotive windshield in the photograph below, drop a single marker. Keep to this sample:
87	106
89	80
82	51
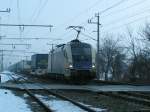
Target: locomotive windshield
81	52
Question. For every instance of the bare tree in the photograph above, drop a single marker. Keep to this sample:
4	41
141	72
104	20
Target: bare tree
146	32
133	53
110	58
139	67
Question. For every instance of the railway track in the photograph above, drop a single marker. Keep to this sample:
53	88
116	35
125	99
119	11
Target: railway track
137	98
62	97
129	96
132	97
102	82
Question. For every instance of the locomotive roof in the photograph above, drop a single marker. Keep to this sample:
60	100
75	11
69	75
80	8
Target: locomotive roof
76	41
72	42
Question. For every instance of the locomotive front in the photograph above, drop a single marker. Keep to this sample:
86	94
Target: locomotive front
83	61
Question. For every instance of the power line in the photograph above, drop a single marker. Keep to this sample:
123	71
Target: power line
81	13
126	17
105	10
114	5
116	21
129	22
120	10
8	16
40	11
33	20
36	10
111	7
86	35
18	10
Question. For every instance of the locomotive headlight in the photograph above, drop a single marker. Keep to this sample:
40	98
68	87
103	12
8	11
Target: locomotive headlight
93	66
70	66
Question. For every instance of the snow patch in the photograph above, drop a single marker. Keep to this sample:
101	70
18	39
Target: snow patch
11	103
60	105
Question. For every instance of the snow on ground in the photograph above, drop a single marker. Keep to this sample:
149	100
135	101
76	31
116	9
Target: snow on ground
63	106
11	103
60	105
4	77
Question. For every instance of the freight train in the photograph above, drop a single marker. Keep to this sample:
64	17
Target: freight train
72	61
23	66
39	64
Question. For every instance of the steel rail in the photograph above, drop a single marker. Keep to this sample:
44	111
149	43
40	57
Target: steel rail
126	98
45	107
82	106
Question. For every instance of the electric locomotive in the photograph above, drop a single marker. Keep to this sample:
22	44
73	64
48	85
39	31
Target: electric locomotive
74	61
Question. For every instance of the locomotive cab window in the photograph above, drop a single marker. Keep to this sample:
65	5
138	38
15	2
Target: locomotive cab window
81	52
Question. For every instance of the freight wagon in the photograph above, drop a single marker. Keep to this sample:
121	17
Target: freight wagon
39	64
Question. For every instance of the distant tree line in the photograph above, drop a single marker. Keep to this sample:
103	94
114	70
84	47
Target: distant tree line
129	62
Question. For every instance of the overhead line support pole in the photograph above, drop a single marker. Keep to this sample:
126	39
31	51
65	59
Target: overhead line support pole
98	36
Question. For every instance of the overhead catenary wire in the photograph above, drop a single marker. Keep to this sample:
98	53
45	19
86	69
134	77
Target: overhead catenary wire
82	12
106	9
126	17
137	3
86	35
36	9
36	16
111	7
9	15
18	11
40	10
103	11
78	15
128	7
123	25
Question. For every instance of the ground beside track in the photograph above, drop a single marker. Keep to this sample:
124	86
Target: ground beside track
93	99
102	101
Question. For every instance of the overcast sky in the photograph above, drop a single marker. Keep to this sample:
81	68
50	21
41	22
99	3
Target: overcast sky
61	14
